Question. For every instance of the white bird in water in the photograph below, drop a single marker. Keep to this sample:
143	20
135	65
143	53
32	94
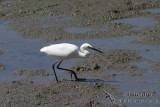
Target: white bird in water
66	51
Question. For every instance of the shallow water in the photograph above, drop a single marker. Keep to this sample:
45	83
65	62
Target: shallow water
20	53
140	22
148	83
5	2
156	10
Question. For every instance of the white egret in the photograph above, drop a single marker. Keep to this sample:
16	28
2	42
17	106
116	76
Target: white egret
66	51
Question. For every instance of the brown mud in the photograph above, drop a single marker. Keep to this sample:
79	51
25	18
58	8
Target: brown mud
2	67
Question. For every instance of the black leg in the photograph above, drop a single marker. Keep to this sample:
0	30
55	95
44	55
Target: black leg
71	76
55	71
72	72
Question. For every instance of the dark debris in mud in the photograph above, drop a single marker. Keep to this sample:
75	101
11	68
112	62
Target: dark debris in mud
2	52
156	67
2	67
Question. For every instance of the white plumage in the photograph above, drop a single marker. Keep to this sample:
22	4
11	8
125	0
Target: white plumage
61	51
65	51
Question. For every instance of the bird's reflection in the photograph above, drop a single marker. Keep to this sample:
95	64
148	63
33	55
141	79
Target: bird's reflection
92	80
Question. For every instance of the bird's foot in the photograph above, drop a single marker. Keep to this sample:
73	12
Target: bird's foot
80	79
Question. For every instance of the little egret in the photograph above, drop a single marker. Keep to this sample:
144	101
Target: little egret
66	51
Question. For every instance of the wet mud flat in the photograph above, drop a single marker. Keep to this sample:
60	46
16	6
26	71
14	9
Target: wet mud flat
53	20
53	94
127	31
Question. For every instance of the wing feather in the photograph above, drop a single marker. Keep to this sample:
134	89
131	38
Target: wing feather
60	50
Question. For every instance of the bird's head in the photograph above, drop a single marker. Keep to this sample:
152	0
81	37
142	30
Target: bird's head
88	46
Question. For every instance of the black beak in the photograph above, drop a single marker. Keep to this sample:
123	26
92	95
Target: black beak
95	49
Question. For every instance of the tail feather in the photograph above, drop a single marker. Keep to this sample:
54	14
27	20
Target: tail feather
43	49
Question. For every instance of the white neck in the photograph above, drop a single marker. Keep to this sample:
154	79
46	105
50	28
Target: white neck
83	52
